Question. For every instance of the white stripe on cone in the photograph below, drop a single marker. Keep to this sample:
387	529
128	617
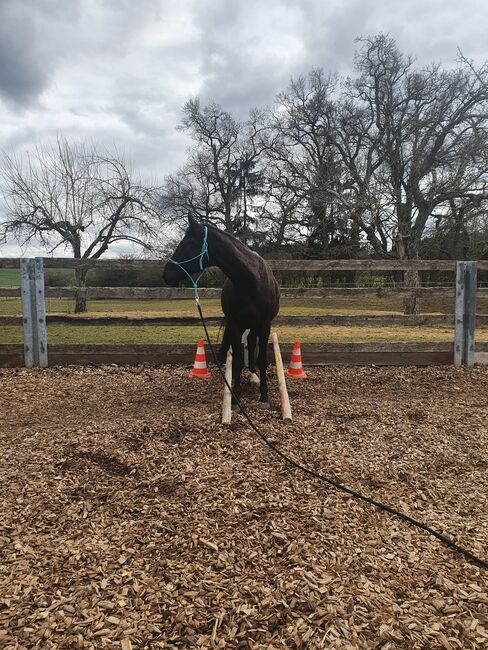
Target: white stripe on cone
200	365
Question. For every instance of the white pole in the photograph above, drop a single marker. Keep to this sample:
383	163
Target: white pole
280	373
227	403
246	348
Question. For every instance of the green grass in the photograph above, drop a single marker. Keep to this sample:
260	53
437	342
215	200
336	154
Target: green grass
76	334
9	277
339	305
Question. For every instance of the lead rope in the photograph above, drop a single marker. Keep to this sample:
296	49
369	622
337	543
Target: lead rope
306	470
310	472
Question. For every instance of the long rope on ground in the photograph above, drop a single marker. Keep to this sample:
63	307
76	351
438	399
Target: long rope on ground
337	484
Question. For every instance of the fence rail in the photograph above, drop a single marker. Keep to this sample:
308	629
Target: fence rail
170	293
372	320
276	265
313	353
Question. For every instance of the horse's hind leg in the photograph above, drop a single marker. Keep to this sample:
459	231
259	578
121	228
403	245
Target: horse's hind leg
263	365
251	348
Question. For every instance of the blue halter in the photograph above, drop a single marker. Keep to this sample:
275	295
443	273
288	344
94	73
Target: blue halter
199	257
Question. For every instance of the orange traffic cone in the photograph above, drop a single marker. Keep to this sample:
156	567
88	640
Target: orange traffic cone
295	371
200	365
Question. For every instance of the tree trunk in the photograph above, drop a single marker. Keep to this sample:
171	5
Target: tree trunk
80	296
229	224
411	279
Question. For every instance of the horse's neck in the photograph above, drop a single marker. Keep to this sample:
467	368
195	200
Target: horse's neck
236	263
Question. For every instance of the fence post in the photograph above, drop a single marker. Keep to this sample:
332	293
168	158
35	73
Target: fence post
465	313
28	293
33	313
40	313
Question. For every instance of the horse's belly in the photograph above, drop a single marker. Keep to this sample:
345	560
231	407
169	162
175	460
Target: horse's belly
250	312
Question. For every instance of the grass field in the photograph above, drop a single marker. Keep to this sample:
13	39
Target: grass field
9	277
73	334
340	305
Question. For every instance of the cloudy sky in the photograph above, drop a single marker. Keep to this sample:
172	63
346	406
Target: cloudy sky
116	72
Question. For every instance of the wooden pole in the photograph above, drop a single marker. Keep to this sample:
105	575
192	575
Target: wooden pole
280	373
227	403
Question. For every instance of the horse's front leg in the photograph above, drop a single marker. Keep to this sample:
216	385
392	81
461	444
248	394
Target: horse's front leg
237	362
263	365
225	345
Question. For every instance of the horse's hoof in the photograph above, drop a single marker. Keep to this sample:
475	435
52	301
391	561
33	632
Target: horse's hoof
235	407
264	406
254	379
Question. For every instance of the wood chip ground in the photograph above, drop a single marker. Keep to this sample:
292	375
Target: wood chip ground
131	518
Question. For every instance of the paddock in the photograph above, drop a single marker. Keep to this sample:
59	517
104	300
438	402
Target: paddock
132	518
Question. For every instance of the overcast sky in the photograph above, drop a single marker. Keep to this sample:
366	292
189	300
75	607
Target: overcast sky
116	72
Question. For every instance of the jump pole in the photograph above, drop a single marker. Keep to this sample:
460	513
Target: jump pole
246	348
227	403
280	373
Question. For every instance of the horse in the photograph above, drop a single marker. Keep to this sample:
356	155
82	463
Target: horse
250	295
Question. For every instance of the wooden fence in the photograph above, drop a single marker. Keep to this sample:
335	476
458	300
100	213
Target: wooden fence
36	350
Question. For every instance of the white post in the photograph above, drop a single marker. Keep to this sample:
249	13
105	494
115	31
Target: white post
40	313
227	403
33	313
28	296
280	373
465	313
470	311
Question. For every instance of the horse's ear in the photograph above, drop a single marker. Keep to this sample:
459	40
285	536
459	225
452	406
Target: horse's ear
192	222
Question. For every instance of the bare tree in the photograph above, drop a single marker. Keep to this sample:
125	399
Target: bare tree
310	169
418	144
72	197
221	176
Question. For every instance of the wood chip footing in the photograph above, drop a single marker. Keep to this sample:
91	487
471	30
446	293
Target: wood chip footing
131	518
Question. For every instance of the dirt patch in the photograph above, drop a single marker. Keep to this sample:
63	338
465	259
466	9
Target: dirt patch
107	463
130	514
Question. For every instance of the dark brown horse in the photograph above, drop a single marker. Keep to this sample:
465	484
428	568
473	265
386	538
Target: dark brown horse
250	295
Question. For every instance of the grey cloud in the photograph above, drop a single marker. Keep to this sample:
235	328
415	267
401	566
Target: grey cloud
118	71
321	34
249	50
29	30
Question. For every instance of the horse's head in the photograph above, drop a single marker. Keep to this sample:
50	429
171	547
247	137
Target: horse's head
190	255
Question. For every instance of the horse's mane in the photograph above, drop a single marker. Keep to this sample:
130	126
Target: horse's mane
234	239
